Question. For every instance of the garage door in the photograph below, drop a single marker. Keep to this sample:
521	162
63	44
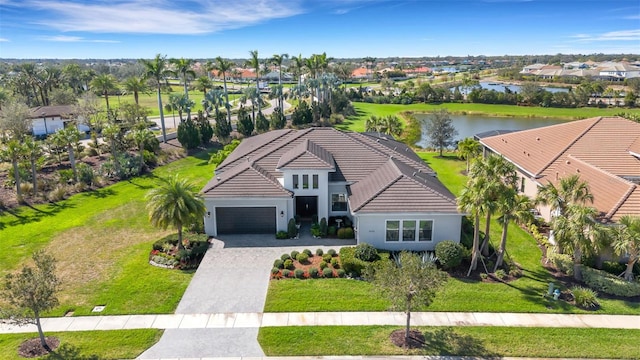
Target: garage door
246	220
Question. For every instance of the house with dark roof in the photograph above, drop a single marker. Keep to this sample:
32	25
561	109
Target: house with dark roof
49	119
393	199
603	151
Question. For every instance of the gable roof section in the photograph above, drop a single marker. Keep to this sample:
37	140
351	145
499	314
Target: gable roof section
51	111
397	187
307	155
245	180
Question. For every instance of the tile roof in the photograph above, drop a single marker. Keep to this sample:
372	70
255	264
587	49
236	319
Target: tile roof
307	155
601	150
51	111
397	187
245	180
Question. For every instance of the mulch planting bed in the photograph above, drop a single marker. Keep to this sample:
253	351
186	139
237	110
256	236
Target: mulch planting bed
33	348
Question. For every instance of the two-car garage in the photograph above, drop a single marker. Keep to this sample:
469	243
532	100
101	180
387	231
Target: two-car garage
245	220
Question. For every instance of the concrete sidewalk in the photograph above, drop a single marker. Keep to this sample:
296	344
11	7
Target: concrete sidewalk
257	320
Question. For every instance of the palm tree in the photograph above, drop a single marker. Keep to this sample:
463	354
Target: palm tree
141	137
14	151
470	201
111	132
469	149
157	70
208	67
104	84
184	68
33	151
203	83
626	240
277	61
69	137
389	125
513	207
297	64
135	85
213	98
251	94
174	202
570	191
223	66
254	63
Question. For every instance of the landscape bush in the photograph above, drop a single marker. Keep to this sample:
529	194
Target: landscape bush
294	254
327	272
302	258
585	298
345	233
609	284
449	254
500	274
562	262
334	263
313	272
613	267
285	256
327	257
86	174
331	231
323	227
349	263
331	252
282	235
292	230
341	273
319	252
58	193
315	230
366	252
308	252
288	264
275	271
278	264
286	273
299	274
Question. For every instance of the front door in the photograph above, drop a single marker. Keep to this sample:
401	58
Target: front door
306	206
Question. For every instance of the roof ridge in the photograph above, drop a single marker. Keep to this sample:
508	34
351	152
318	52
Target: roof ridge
421	183
356	135
262	172
600	169
566	148
297	135
286	132
622	200
382	189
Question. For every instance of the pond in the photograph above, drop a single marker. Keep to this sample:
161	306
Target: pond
499	86
470	125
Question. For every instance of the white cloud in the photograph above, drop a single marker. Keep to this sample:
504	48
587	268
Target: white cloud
622	35
64	38
161	16
632	17
4	40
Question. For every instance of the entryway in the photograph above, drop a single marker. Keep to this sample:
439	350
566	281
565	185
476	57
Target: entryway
306	207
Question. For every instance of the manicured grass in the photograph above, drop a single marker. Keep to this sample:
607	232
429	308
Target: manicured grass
101	240
150	101
322	295
120	344
365	110
522	295
460	341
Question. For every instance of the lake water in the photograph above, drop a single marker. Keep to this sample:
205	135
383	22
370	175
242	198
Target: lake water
470	125
514	88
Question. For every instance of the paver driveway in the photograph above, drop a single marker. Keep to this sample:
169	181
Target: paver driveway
232	278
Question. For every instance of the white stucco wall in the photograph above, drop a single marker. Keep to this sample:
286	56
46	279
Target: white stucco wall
281	204
321	192
372	230
52	125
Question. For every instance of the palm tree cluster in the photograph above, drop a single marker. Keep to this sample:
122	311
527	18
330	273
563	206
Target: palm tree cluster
388	125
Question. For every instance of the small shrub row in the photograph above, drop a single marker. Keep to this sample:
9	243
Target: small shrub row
345	233
313	273
609	284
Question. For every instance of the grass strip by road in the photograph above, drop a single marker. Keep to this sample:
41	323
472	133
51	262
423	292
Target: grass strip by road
116	344
101	240
483	342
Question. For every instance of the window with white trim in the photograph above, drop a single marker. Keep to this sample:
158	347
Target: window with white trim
409	230
315	181
305	181
425	231
393	230
338	202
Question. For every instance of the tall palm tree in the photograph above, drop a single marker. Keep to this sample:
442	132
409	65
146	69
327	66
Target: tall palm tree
157	70
14	151
104	84
135	85
208	67
470	201
254	63
626	240
111	132
297	65
174	202
213	98
469	149
224	66
69	138
33	151
184	67
277	60
570	190
203	84
512	207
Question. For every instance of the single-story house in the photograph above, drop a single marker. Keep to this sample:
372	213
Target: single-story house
393	199
603	151
49	119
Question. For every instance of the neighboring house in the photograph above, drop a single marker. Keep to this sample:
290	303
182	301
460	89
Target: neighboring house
603	151
361	73
393	198
49	119
608	71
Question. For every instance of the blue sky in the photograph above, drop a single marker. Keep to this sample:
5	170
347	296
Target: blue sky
107	29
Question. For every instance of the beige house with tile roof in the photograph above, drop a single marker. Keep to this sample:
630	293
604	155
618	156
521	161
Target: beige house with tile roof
604	151
393	199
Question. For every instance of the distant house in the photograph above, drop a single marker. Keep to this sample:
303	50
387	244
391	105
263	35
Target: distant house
361	73
393	198
618	71
603	151
49	119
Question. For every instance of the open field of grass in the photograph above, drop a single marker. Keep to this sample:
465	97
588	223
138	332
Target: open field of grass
120	344
484	342
365	110
522	295
150	101
101	240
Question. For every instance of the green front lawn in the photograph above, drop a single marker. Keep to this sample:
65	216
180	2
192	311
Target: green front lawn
101	240
485	342
117	344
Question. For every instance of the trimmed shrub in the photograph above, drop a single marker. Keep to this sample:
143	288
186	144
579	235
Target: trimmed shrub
313	272
302	258
275	271
292	230
334	263
331	230
278	264
299	273
315	230
449	254
331	252
284	257
345	233
350	263
286	273
327	257
585	298
308	252
366	252
323	227
500	274
314	219
288	264
483	276
327	272
294	254
319	252
614	267
341	273
322	265
281	235
562	262
609	284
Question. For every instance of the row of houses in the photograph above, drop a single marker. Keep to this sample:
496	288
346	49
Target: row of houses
607	71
